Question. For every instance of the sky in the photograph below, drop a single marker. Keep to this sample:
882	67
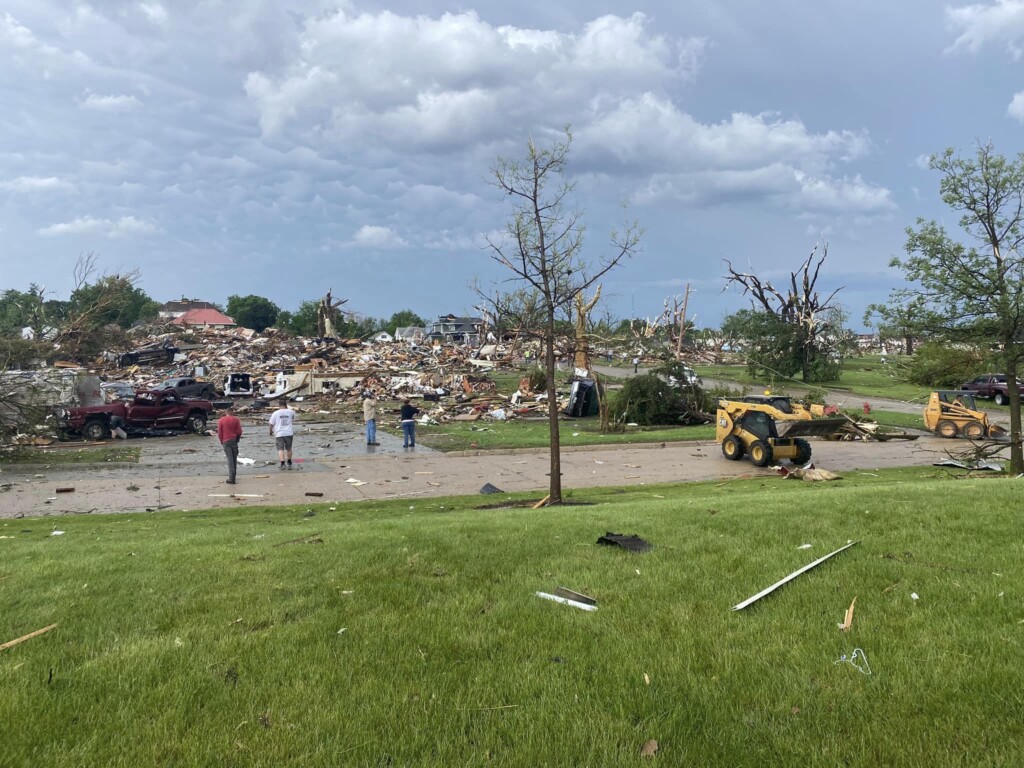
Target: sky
284	147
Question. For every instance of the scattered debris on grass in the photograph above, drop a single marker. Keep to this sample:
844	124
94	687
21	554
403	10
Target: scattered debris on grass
56	533
579	597
805	546
981	464
858	659
848	619
791	576
567	601
650	748
23	638
632	542
488	489
914	596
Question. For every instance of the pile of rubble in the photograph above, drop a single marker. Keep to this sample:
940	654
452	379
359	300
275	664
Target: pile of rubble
327	374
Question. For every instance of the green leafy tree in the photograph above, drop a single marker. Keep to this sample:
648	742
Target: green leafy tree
254	312
302	322
971	289
113	300
542	248
403	319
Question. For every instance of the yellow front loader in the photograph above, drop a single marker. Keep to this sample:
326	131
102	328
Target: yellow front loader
951	413
751	426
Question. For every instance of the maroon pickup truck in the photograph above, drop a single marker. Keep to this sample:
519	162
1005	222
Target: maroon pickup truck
149	410
992	385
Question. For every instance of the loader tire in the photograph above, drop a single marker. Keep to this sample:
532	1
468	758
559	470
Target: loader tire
760	453
732	448
1002	399
975	430
803	451
946	429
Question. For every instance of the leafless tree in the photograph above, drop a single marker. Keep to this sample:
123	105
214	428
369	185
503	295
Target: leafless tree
798	304
542	249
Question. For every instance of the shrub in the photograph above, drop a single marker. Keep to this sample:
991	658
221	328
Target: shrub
942	366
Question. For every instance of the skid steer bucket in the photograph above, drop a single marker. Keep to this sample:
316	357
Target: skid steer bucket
811	428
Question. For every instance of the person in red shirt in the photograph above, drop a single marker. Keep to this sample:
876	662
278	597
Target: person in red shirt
229	431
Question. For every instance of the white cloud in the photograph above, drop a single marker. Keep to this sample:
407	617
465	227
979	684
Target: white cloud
154	12
24	184
380	238
980	25
87	225
923	162
1016	107
110	103
417	79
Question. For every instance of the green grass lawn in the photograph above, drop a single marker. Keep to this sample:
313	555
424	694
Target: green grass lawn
533	433
865	376
68	454
408	634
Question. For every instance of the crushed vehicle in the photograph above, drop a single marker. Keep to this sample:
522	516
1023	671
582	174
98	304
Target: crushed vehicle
953	413
238	385
117	390
187	386
993	386
154	409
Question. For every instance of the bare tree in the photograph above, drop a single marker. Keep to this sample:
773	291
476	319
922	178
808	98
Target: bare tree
542	248
800	306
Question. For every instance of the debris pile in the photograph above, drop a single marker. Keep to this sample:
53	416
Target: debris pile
327	374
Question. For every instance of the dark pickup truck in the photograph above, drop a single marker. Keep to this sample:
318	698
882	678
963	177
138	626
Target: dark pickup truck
156	409
992	385
188	387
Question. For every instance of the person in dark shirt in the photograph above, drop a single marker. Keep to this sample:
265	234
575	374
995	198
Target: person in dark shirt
409	412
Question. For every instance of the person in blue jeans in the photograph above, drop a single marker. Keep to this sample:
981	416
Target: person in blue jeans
370	416
409	412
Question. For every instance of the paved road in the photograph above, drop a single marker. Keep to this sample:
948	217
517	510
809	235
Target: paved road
185	473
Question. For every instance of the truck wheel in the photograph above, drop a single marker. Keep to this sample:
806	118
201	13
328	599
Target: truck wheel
95	430
732	448
760	453
974	430
1002	399
946	429
803	451
196	422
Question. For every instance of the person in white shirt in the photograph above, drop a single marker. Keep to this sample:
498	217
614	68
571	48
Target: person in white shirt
282	428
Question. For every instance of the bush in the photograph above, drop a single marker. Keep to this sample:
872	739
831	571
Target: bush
538	379
940	366
649	399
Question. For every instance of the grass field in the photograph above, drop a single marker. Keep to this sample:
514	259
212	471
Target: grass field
533	433
408	634
865	376
68	454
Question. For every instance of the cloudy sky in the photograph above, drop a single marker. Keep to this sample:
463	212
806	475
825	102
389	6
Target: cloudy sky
282	147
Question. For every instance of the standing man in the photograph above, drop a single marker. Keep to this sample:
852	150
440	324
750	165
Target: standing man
229	431
370	416
636	364
282	427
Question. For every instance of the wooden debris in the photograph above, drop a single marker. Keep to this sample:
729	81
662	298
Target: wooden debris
848	620
23	638
65	490
542	503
